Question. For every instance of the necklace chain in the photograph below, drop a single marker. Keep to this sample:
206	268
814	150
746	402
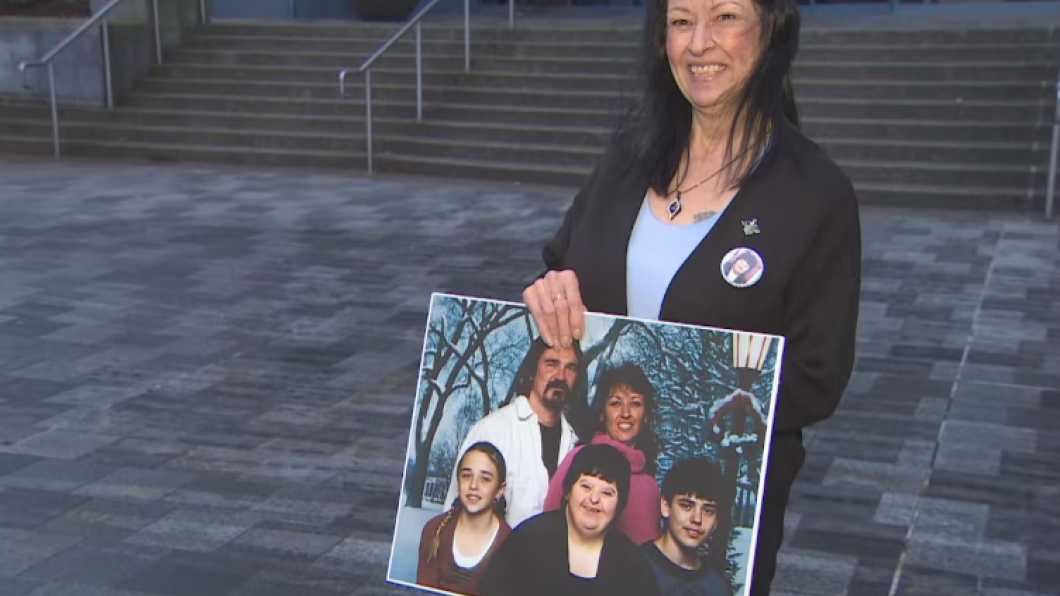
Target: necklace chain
675	205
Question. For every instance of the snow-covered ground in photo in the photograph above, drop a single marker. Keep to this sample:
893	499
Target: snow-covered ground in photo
410	524
742	545
405	555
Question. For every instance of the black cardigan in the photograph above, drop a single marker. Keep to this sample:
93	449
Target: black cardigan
534	561
810	241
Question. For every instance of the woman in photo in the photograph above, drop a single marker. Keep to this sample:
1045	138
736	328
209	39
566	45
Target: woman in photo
743	269
456	546
710	159
575	550
623	411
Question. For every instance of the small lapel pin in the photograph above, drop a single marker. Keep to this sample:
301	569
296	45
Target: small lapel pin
750	227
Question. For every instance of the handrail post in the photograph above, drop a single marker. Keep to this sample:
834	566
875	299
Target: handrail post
467	35
105	31
368	115
511	14
55	109
1050	191
419	73
158	31
202	12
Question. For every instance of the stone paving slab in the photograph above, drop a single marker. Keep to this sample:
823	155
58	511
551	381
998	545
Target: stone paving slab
205	376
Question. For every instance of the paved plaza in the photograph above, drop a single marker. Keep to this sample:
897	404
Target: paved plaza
206	380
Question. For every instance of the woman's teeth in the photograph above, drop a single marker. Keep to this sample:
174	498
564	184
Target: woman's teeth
707	68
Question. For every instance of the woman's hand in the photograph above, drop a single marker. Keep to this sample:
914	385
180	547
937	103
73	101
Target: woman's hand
556	303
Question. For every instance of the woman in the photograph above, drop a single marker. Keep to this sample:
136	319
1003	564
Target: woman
574	550
709	161
623	407
456	546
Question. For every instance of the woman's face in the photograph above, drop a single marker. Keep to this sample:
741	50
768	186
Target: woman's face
712	46
592	504
624	414
479	484
741	266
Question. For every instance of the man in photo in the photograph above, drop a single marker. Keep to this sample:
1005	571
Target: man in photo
534	431
697	511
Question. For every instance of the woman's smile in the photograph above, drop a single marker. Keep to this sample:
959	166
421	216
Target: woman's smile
700	70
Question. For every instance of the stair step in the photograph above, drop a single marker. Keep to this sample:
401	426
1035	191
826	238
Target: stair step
140	134
525	126
236	155
944	197
894	195
857	149
921	109
970	92
805	88
939	174
927	130
620	49
621	67
352	122
972	89
349	138
558	31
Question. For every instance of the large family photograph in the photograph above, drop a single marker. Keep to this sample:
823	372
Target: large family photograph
630	462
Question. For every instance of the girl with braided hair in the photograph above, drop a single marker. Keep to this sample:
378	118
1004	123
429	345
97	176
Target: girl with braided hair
456	546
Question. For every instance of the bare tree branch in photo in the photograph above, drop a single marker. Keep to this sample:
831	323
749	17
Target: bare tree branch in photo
610	339
455	353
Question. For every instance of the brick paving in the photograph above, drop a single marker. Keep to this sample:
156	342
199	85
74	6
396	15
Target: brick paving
206	377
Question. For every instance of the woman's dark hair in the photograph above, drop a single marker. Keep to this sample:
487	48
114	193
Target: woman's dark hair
575	405
632	376
603	462
500	506
658	128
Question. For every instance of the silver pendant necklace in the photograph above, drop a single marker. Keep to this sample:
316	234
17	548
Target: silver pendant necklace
675	205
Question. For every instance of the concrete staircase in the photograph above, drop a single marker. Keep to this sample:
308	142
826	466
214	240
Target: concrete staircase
942	117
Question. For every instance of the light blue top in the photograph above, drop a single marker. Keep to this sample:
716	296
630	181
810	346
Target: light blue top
657	249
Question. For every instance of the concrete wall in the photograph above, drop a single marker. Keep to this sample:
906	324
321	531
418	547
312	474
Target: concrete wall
79	70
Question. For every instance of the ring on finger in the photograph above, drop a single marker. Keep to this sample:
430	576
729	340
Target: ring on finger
558	296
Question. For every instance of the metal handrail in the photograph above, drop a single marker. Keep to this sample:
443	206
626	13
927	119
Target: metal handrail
101	16
1054	148
415	21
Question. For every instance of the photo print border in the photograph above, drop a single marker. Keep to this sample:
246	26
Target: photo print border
474	358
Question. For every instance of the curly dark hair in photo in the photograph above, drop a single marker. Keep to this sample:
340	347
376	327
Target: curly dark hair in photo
632	376
703	479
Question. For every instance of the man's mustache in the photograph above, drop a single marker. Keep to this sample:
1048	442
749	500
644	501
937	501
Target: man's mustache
557	384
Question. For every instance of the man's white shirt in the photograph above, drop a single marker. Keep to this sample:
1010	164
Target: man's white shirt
515	431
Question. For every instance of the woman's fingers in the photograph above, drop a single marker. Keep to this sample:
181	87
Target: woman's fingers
556	304
574	304
539	301
557	287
